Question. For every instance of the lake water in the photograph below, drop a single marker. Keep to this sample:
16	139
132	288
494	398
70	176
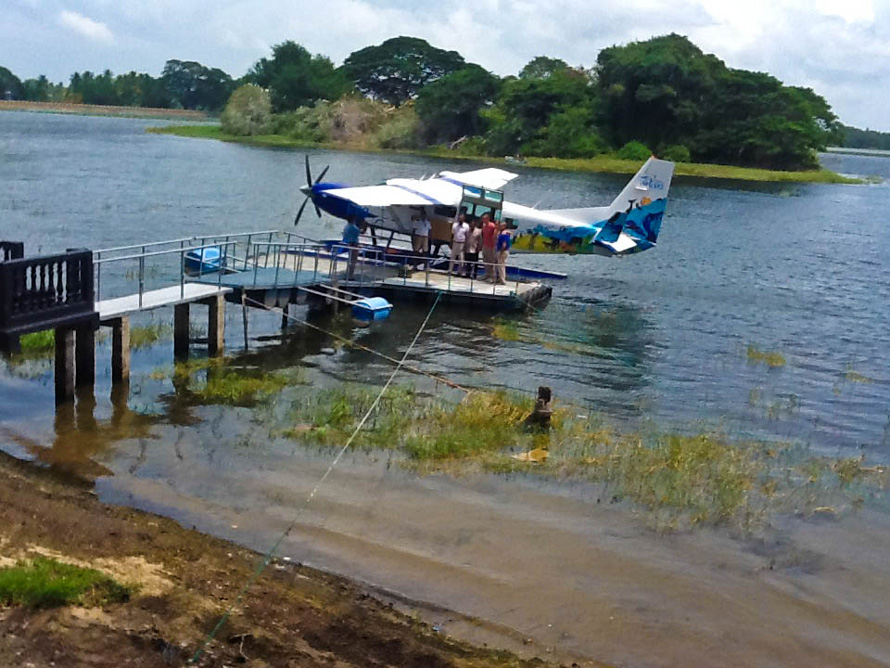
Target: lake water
659	338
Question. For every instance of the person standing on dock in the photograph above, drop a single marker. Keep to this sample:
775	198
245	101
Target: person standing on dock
474	245
459	233
504	241
351	234
421	233
489	239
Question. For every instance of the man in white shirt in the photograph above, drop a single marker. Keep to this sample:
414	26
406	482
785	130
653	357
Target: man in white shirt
460	230
421	237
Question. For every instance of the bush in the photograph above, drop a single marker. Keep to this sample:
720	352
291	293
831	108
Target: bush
248	111
312	124
401	129
676	153
634	150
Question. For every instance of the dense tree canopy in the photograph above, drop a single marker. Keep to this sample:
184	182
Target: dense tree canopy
449	107
396	70
191	85
542	67
296	78
661	95
10	86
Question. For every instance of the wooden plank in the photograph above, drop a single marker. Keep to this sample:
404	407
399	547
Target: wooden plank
110	309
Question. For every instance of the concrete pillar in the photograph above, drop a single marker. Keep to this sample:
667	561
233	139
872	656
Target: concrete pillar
120	350
64	369
85	357
216	325
244	319
181	331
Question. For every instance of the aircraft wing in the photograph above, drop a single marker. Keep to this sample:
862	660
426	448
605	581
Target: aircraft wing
491	178
402	192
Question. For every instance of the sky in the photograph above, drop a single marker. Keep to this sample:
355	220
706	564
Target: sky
840	48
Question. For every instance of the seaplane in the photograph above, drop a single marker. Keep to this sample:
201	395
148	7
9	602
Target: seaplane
630	224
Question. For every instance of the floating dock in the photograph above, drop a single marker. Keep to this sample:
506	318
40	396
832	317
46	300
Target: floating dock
69	292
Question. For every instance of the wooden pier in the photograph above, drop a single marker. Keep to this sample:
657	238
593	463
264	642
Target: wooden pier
64	292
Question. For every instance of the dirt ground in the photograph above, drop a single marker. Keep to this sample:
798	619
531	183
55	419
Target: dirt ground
292	616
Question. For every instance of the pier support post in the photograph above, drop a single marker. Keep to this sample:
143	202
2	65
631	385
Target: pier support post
181	331
85	357
120	350
64	369
244	319
216	325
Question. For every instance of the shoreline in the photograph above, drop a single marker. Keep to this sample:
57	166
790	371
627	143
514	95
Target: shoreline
183	582
599	165
70	109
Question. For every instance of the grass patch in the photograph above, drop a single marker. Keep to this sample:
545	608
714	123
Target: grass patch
505	330
599	164
44	583
772	358
38	343
217	381
146	336
682	480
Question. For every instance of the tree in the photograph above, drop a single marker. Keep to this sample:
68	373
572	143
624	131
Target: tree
655	91
10	86
449	107
248	111
526	108
296	78
397	69
542	67
191	85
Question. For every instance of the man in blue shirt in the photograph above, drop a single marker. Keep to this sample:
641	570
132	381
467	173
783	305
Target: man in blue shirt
351	234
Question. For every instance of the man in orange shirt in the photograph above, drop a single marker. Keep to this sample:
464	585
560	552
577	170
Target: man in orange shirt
489	239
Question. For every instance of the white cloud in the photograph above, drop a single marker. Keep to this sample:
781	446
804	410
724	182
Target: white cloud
86	27
837	47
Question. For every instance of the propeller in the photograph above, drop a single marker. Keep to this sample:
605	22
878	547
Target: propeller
307	190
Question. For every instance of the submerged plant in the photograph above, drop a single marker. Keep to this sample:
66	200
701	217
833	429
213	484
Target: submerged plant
772	358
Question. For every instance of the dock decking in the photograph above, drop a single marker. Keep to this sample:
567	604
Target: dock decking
175	295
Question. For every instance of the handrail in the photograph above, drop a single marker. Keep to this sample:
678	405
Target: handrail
184	239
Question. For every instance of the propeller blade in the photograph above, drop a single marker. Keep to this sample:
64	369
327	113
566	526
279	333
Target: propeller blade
317	210
323	172
300	210
308	172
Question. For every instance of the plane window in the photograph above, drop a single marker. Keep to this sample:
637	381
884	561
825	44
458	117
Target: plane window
445	211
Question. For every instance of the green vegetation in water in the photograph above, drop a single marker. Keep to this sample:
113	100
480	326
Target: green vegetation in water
42	582
600	164
853	376
681	479
772	358
216	381
505	330
146	336
38	343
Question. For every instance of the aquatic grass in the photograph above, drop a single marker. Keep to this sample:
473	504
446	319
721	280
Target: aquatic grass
505	330
42	582
145	336
772	358
37	343
216	381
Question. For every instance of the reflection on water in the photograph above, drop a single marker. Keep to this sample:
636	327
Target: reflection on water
795	269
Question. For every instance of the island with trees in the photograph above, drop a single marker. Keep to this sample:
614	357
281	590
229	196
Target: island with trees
663	95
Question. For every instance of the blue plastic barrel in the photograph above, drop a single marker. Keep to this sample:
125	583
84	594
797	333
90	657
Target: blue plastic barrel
203	260
370	309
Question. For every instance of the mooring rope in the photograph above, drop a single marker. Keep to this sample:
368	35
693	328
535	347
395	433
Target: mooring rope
271	553
350	342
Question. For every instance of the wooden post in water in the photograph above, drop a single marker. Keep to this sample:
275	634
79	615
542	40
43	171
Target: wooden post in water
244	318
120	350
64	369
181	331
85	356
216	325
